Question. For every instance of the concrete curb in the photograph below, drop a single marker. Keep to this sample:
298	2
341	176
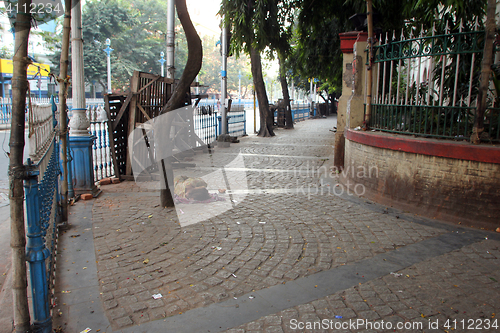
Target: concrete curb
6	306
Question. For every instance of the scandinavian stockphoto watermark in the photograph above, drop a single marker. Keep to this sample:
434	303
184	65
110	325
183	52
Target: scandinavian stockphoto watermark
314	178
158	148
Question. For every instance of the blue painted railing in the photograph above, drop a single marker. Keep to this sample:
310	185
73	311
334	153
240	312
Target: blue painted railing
207	123
236	123
42	209
299	112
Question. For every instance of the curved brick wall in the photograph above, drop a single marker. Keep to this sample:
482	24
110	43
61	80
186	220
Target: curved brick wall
445	180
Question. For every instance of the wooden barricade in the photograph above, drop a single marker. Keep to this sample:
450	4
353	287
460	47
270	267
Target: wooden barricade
148	94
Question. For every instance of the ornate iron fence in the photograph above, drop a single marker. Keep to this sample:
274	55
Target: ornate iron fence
6	106
42	208
427	86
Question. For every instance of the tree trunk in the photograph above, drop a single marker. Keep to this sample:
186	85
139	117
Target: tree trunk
485	73
327	109
16	171
266	118
63	92
193	66
327	102
284	90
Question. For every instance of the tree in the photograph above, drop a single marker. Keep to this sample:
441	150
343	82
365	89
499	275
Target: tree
284	89
209	75
101	20
136	32
253	25
485	73
316	52
177	100
16	171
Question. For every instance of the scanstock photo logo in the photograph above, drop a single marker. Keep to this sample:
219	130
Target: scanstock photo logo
40	11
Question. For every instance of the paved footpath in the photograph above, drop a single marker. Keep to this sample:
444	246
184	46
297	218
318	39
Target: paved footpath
289	250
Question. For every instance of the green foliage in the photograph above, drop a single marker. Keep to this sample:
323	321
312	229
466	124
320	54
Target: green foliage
5	53
427	13
137	33
258	23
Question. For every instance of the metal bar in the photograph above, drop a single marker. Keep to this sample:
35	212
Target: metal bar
408	77
384	74
391	70
378	75
430	79
457	66
443	65
417	81
497	137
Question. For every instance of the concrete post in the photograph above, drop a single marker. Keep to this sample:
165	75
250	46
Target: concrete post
355	104
350	106
80	141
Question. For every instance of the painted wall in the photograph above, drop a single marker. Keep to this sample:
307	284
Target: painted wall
455	190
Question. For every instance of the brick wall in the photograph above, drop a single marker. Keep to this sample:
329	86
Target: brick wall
448	189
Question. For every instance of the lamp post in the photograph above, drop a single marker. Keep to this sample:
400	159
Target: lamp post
224	79
239	86
162	62
108	51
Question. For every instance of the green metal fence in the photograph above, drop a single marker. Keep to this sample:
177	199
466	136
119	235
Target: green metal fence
427	86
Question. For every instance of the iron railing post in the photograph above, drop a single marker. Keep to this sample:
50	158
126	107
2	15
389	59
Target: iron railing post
244	122
71	191
36	253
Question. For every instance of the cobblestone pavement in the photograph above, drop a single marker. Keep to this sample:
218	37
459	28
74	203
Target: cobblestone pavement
266	240
454	292
285	225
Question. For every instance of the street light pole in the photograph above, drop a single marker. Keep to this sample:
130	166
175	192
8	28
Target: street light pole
170	39
239	86
224	79
108	51
162	62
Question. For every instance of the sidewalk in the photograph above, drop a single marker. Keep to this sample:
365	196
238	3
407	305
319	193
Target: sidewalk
291	251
